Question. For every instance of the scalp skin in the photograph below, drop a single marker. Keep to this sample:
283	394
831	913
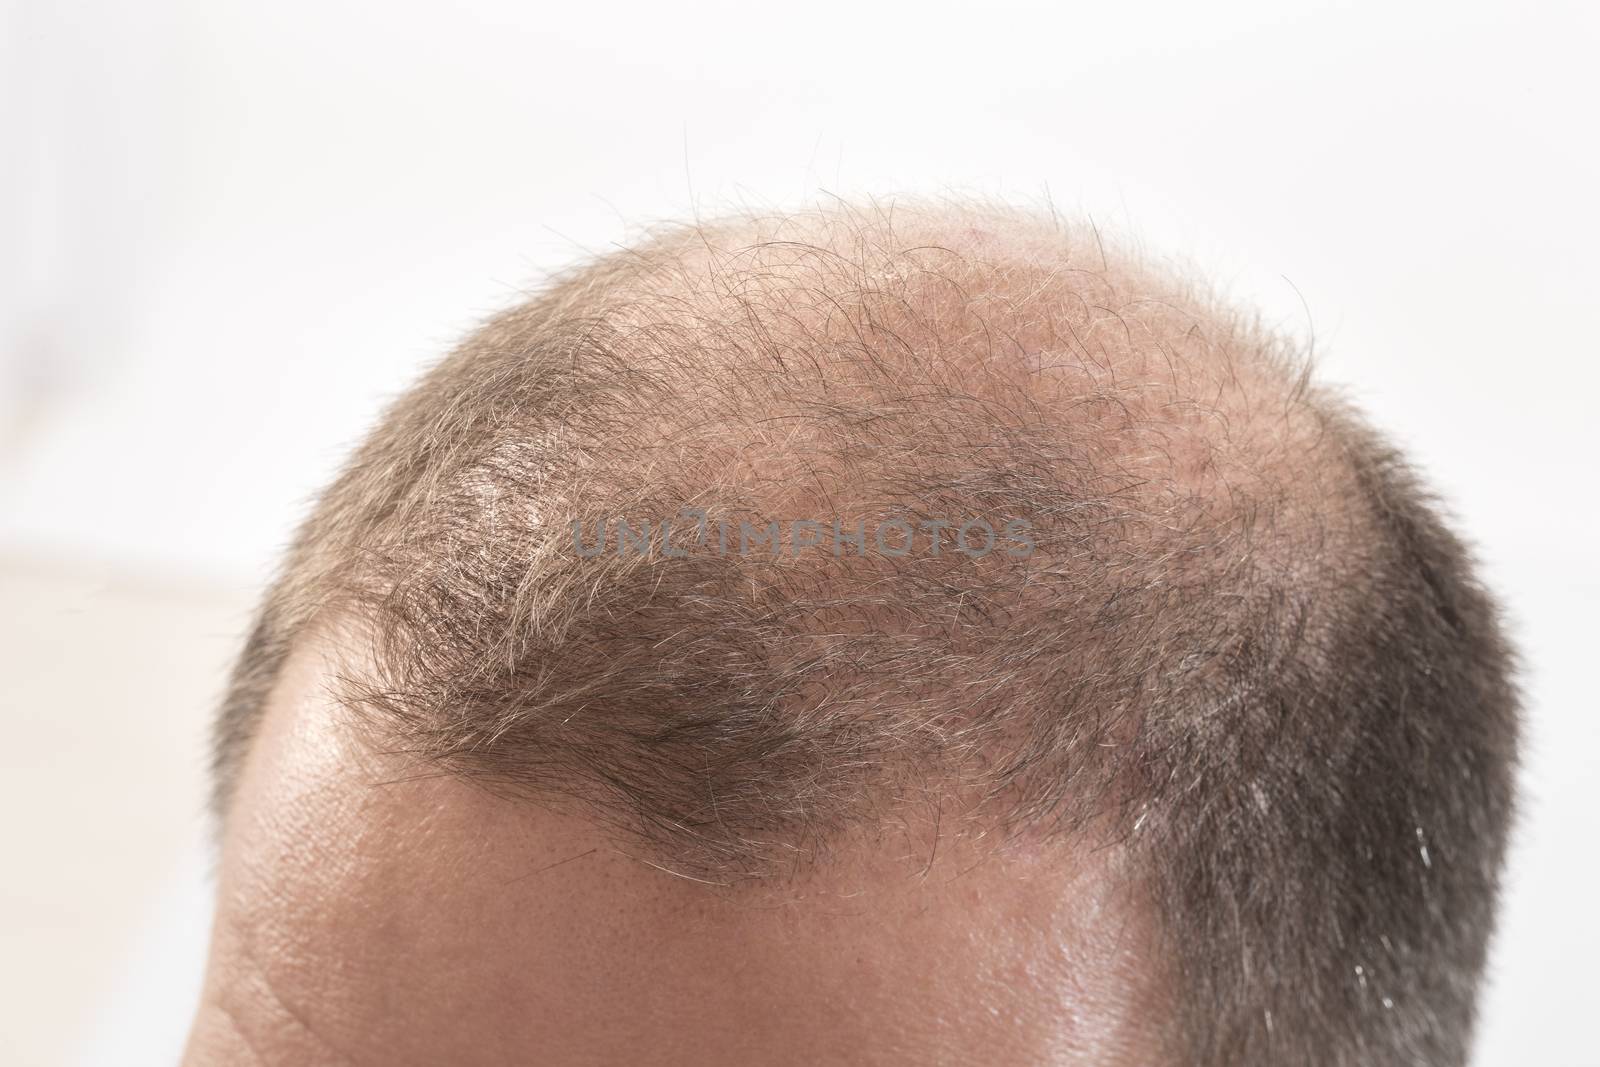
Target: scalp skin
1246	662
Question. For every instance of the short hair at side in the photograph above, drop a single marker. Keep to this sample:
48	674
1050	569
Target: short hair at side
1231	626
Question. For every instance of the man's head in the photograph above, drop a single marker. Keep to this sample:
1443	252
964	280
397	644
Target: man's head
890	635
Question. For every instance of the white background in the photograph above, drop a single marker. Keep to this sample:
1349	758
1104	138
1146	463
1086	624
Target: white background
229	232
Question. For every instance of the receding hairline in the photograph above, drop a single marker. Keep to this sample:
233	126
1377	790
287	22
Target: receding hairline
692	298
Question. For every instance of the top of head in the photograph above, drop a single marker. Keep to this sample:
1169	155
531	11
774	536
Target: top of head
1209	603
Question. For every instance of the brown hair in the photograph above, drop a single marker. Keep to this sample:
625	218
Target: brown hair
1237	634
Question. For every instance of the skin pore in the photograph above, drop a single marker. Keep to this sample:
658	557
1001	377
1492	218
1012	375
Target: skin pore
376	913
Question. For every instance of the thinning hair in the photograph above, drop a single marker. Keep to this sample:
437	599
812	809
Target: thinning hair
1219	618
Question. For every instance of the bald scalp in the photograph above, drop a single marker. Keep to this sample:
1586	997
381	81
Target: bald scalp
1229	637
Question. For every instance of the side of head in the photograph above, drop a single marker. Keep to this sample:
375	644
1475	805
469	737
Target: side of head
885	635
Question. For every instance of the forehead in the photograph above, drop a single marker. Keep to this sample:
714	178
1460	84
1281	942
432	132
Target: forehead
404	915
